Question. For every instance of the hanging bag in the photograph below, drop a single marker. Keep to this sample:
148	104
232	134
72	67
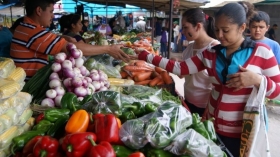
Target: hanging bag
254	140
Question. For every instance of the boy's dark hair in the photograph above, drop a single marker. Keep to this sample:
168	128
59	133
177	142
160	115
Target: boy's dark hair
260	16
31	5
275	25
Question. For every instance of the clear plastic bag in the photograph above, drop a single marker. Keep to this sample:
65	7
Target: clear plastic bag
192	143
8	66
9	88
144	93
167	122
104	102
108	69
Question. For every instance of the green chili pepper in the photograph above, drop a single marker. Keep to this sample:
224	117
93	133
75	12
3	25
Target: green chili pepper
122	151
149	107
70	101
127	115
86	99
153	152
198	126
53	115
209	126
43	125
20	141
137	108
58	125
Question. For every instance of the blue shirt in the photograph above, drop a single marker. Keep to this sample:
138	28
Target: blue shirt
183	37
5	42
274	47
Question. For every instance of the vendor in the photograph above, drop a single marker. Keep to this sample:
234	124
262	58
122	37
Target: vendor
5	41
141	24
73	25
32	44
104	28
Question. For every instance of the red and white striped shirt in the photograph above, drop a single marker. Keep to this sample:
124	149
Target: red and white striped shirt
225	105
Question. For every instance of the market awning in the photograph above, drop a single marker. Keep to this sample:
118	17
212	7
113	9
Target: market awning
215	3
6	6
16	11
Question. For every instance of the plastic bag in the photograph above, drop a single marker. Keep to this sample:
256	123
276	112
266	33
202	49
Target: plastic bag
192	143
132	134
144	93
9	88
167	122
104	102
111	71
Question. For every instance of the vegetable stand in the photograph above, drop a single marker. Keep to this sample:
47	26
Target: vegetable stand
91	109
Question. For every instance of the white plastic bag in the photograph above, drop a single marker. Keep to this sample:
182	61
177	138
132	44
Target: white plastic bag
254	140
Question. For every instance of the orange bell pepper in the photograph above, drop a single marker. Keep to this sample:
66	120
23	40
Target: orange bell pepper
78	122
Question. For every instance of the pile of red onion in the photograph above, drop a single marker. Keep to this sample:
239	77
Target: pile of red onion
70	74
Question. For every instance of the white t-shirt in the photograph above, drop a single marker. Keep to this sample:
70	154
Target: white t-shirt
197	86
141	25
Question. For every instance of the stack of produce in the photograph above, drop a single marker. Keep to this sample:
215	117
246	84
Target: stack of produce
15	112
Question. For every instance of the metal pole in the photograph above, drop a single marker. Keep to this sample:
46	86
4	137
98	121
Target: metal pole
11	15
106	10
170	27
153	22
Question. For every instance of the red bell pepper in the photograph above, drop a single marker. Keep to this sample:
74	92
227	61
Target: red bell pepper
137	154
91	123
77	144
46	147
28	148
103	149
106	128
39	118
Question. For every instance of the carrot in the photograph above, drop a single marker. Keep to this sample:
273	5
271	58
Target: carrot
124	74
142	76
166	77
154	74
142	64
155	81
133	73
159	69
132	68
161	82
145	82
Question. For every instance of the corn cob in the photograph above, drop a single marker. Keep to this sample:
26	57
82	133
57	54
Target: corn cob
7	65
25	116
9	89
7	136
6	121
17	75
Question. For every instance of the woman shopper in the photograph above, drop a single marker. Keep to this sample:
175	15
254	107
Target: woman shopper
234	67
197	27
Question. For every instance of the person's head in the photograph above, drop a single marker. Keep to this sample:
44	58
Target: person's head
231	21
86	23
163	28
41	11
175	23
275	26
72	22
259	25
141	18
103	22
194	22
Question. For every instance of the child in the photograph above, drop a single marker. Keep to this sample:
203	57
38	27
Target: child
258	26
163	42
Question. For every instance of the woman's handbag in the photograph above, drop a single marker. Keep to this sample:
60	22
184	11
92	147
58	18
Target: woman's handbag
254	140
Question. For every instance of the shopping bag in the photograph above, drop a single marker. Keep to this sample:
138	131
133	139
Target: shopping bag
254	140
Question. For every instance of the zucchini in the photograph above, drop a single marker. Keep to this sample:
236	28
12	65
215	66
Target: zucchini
58	125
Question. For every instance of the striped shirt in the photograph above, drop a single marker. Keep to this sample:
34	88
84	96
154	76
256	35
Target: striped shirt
225	105
31	45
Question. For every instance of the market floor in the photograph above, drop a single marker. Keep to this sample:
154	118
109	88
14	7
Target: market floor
273	114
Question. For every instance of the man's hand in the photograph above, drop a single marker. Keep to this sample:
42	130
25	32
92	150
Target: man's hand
116	52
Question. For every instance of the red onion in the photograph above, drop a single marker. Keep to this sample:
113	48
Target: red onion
103	77
53	76
103	88
83	70
54	83
79	62
67	64
96	85
89	80
93	71
67	82
87	73
106	83
57	100
70	89
90	89
76	71
56	67
60	57
101	84
72	59
70	46
77	82
47	102
85	83
76	53
80	91
51	93
69	73
60	90
94	76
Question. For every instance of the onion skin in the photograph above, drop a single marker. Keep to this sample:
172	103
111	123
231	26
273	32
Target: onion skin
47	102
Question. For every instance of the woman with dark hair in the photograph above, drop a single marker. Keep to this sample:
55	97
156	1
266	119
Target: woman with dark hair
197	27
234	67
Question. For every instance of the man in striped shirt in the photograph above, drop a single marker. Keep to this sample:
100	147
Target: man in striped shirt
32	44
